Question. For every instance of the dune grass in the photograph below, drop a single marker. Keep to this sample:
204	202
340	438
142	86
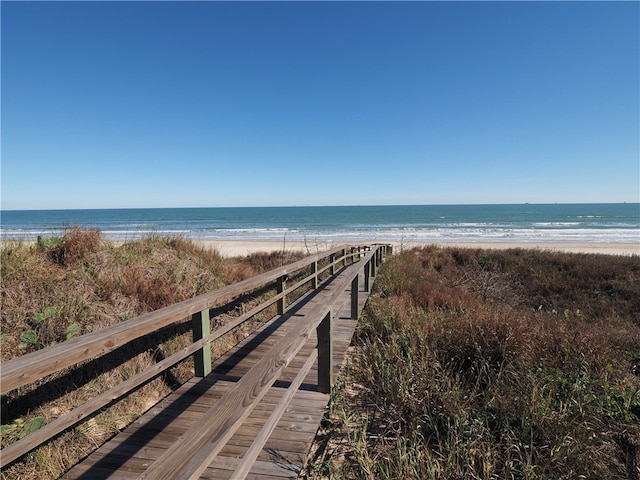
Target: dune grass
56	289
473	364
467	363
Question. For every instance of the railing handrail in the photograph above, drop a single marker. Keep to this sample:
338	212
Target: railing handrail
34	366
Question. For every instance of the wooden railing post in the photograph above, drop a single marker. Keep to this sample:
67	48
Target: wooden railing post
332	259
354	297
314	271
367	275
325	353
201	325
374	264
282	303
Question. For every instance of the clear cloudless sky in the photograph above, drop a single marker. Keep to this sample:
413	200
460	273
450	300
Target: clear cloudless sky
176	104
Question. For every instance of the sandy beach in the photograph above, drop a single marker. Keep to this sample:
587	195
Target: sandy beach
230	248
239	248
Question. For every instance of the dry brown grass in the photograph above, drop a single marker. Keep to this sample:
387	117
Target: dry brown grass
493	364
60	288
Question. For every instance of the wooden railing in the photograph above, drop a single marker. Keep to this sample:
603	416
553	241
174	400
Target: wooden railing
306	273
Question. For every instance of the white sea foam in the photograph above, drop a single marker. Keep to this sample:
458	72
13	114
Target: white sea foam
467	234
507	223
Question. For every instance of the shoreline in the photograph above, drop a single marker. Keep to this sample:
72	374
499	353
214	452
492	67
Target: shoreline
244	247
231	248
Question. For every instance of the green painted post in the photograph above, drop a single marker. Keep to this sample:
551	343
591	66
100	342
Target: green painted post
354	297
282	303
201	325
325	354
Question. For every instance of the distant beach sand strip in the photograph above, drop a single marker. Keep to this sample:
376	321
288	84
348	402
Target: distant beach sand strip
230	248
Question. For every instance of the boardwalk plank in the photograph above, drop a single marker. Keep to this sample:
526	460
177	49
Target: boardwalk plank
130	453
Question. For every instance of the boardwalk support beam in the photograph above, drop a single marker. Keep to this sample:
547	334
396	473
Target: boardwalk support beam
325	353
367	276
314	271
282	303
201	325
354	298
373	264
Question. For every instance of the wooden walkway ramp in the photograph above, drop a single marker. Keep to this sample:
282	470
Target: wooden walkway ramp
284	454
252	413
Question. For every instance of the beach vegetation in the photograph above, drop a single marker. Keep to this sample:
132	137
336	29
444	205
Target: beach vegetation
474	364
467	363
55	289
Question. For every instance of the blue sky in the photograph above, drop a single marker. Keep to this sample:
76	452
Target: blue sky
175	104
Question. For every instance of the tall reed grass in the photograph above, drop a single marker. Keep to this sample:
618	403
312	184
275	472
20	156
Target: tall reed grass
472	364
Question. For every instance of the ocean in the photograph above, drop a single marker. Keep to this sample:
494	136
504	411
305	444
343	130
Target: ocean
519	223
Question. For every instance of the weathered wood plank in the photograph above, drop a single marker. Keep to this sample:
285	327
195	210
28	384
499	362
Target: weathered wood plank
200	445
267	429
284	453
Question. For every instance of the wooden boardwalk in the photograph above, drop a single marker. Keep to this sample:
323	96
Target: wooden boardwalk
283	456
